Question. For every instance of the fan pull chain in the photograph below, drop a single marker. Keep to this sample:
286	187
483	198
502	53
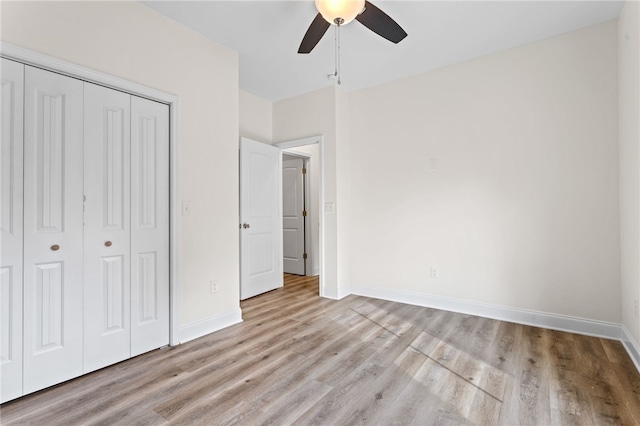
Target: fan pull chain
339	22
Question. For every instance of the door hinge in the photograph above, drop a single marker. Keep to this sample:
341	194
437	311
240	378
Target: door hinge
304	255
304	213
304	171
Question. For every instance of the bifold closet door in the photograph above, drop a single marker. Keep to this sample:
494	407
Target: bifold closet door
84	279
52	229
107	235
11	230
149	225
126	294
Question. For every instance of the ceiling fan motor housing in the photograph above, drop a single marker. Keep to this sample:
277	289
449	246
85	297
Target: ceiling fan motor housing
339	12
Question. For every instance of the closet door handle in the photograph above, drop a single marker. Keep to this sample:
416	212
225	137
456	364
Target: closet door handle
108	243
55	247
246	225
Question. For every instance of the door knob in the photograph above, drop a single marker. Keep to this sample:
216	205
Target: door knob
246	225
55	247
108	243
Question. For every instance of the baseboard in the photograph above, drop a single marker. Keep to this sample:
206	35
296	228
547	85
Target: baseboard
335	294
503	313
330	293
632	347
209	325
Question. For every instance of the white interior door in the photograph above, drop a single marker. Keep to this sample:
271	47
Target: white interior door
11	139
293	216
149	225
260	217
107	235
52	229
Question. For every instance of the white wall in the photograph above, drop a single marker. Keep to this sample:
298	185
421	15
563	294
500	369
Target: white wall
520	205
345	159
130	41
314	114
629	119
256	117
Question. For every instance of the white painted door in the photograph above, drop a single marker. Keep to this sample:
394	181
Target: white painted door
260	218
107	234
11	127
149	225
293	215
52	229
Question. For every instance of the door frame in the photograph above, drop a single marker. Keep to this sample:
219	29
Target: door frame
312	140
49	63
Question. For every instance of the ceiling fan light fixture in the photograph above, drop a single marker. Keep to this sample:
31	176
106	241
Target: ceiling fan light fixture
346	10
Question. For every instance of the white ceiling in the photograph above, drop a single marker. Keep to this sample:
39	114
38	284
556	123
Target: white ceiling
267	35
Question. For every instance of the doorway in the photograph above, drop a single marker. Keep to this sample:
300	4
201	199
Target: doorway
311	150
263	258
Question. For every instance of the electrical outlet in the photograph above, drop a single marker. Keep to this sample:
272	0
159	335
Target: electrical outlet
636	309
433	272
213	285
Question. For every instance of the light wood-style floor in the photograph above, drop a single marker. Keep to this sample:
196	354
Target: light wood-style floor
300	359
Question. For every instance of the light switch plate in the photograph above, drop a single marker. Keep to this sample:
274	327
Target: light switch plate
329	207
186	208
433	272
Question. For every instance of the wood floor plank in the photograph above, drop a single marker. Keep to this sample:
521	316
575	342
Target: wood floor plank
417	403
209	380
291	406
345	354
245	388
299	359
337	403
565	390
483	337
534	379
382	396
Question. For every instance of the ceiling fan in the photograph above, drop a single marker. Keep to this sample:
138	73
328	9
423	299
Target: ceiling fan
341	12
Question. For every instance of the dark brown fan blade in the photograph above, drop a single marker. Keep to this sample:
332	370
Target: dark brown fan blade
316	30
381	24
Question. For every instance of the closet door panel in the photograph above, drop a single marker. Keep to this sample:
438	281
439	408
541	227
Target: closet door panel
107	330
11	127
150	225
52	229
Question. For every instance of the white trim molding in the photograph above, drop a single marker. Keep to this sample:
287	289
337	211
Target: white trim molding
294	143
332	294
337	295
632	347
40	60
569	324
202	328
